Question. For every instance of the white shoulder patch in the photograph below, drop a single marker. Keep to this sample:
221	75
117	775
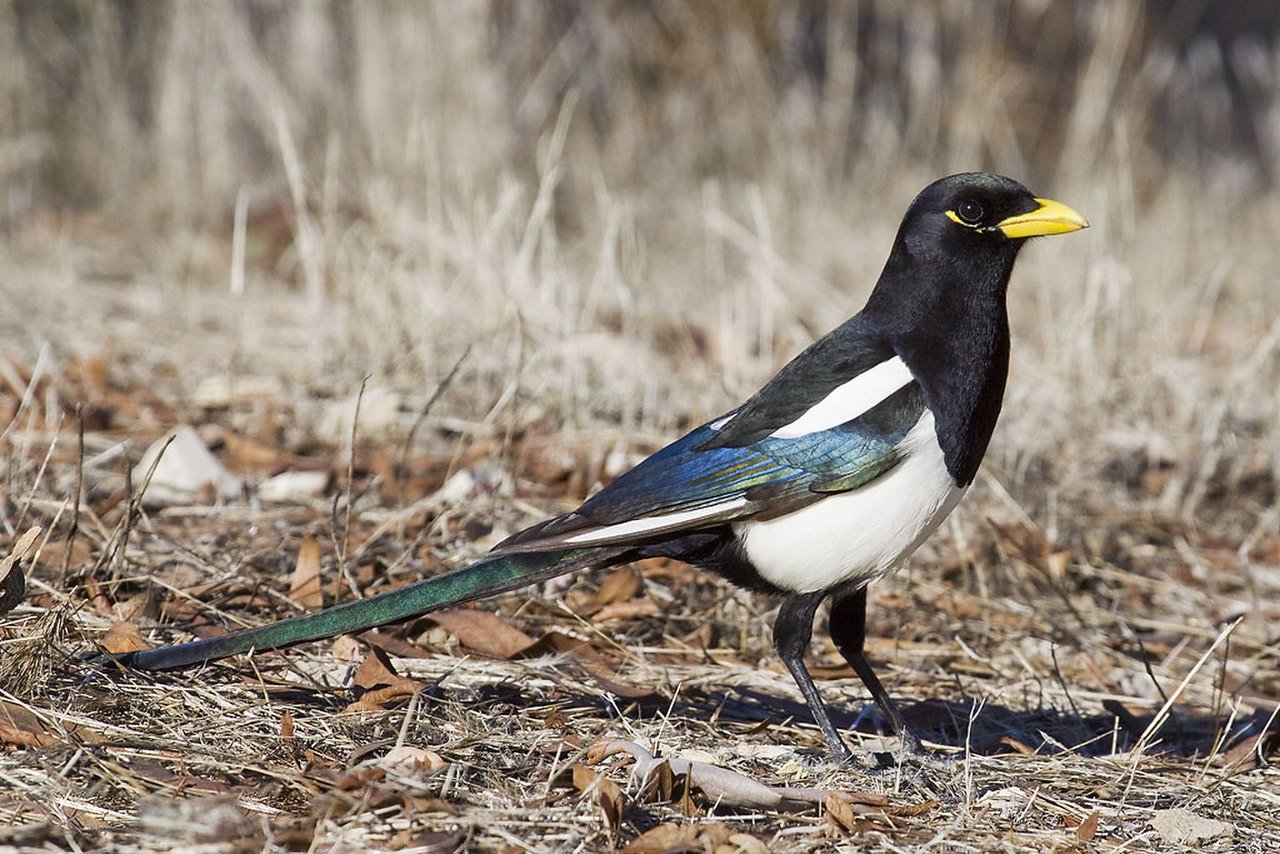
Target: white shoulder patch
653	524
849	400
722	420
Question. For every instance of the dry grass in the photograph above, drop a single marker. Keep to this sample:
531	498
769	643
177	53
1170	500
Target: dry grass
621	222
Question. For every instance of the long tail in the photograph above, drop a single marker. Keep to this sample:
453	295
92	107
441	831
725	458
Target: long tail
492	575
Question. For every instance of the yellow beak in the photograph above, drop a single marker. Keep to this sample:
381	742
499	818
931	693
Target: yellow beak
1050	218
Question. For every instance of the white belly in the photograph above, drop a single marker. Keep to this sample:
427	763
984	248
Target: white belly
862	535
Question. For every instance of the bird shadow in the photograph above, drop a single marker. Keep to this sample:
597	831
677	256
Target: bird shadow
988	729
981	728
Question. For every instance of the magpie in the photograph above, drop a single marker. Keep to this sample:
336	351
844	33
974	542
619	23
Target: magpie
825	480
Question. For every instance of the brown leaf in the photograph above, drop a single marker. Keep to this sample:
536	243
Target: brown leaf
586	657
346	648
248	454
909	810
628	610
17	719
745	843
1018	746
1088	828
391	644
304	584
359	777
286	730
407	759
123	636
483	631
607	793
376	671
54	553
13	584
840	812
665	839
660	784
1245	756
24	738
377	683
618	586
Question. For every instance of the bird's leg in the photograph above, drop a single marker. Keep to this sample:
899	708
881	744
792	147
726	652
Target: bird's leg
848	627
791	635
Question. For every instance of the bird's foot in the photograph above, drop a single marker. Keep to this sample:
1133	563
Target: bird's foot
911	752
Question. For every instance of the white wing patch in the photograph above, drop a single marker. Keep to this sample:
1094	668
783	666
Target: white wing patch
722	420
653	524
849	400
860	535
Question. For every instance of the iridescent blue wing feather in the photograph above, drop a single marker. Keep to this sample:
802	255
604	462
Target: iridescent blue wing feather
697	481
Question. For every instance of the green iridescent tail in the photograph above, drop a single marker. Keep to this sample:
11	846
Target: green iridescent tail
492	575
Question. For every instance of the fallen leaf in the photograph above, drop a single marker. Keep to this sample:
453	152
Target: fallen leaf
286	730
1089	827
628	610
407	759
346	648
293	486
123	636
377	683
840	812
359	777
589	660
1250	752
304	583
665	839
483	631
1184	827
719	785
607	794
16	719
24	738
659	784
747	844
13	584
185	470
1018	746
249	454
618	586
54	553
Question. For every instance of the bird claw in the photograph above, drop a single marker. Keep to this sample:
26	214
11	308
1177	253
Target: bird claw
912	753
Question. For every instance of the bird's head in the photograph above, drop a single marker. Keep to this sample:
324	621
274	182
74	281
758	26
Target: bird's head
980	212
958	242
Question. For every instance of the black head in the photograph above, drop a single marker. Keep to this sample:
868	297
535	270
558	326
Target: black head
978	211
959	239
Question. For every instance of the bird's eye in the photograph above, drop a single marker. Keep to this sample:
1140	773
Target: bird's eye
970	212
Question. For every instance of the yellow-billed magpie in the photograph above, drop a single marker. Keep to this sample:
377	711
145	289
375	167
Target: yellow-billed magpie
827	479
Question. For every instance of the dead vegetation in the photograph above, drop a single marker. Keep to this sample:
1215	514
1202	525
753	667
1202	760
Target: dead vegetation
403	315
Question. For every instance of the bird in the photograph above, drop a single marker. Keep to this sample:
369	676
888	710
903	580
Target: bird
825	480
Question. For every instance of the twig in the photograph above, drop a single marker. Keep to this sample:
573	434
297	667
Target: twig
445	382
1163	714
74	532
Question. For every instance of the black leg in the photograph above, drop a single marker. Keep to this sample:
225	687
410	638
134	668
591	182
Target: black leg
848	627
791	634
